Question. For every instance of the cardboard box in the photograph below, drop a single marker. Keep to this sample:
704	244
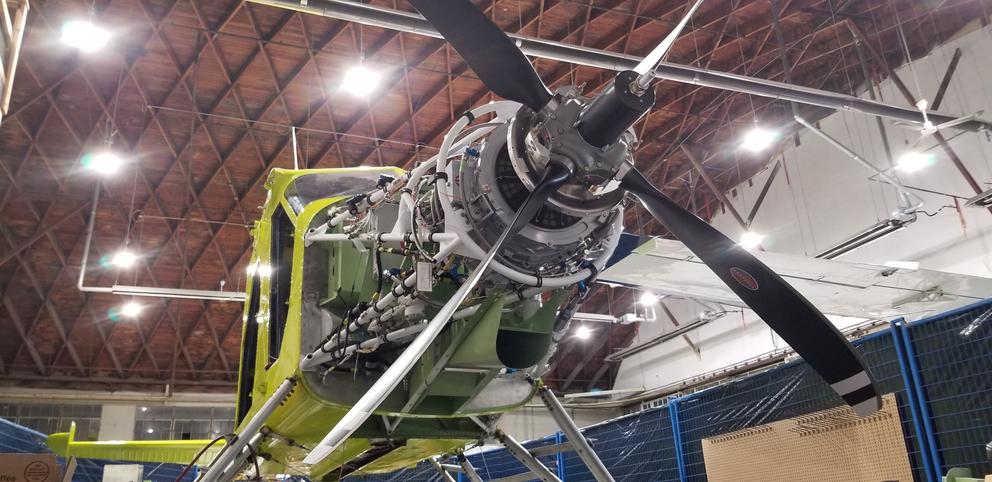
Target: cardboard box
29	468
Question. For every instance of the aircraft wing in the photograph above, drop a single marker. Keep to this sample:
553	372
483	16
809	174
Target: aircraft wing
667	267
164	451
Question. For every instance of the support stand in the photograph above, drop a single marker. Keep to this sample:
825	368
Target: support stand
575	438
528	459
467	468
441	470
225	466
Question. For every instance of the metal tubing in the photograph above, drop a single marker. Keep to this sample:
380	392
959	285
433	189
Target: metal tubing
520	453
575	437
381	237
89	237
468	469
412	23
219	466
152	291
679	331
905	195
239	461
440	469
210	295
321	354
883	134
901	86
393	375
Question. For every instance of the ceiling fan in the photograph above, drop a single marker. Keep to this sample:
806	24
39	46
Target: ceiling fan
928	128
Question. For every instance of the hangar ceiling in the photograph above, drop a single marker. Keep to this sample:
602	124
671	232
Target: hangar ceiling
201	95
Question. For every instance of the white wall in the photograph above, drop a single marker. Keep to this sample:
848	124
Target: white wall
821	197
117	422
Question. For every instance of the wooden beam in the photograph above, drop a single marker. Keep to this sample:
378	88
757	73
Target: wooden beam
39	233
19	327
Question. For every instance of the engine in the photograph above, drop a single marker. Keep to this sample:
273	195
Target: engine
413	241
492	178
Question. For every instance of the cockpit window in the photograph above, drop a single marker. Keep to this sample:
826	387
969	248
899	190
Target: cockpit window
281	261
311	187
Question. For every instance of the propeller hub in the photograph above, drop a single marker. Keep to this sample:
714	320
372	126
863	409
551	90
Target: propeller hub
537	139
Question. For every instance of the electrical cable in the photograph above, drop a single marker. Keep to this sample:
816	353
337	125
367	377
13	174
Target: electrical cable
937	211
199	454
254	459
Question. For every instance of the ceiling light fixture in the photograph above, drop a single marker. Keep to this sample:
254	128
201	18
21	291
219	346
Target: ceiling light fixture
873	233
105	163
360	81
758	139
583	332
648	299
84	35
124	259
750	240
913	161
131	309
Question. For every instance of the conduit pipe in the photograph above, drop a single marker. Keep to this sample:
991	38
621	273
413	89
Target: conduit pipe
906	203
151	291
412	23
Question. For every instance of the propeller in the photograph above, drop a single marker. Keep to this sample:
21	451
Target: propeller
555	175
646	67
493	56
504	69
781	307
499	62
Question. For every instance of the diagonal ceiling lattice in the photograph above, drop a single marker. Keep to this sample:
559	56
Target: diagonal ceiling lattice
201	96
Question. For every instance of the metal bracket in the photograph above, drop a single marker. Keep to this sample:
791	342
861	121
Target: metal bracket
575	437
225	466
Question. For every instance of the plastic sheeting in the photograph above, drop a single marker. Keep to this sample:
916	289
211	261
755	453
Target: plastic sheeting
952	353
634	448
946	360
784	392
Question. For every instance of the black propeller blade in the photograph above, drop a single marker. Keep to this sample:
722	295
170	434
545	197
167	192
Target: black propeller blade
786	311
554	176
493	56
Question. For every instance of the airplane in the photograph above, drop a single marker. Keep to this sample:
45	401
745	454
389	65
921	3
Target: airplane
392	316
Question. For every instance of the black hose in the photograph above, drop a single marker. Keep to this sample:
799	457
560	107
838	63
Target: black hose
254	459
200	454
